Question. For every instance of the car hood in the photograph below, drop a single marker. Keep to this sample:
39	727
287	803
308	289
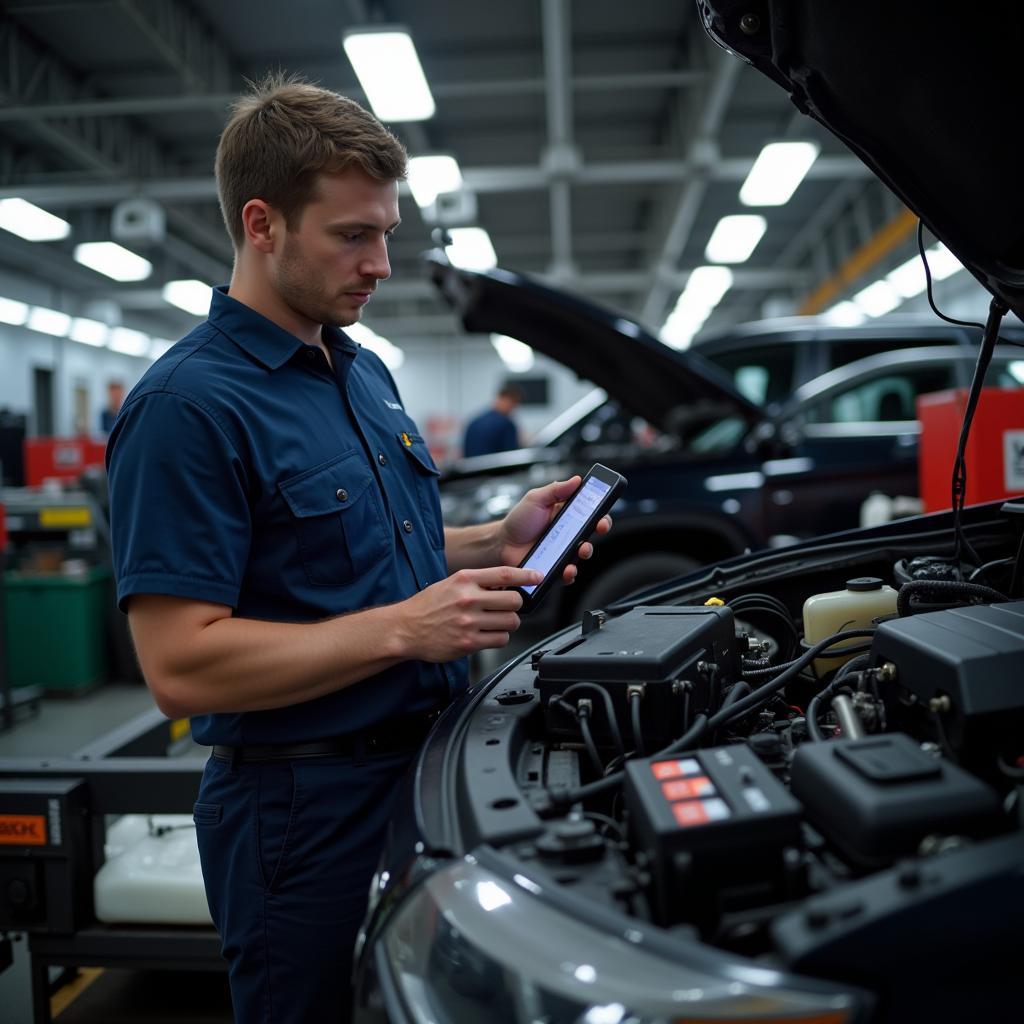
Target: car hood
924	94
675	391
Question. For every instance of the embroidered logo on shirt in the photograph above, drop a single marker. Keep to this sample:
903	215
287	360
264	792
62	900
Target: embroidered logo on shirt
406	440
393	405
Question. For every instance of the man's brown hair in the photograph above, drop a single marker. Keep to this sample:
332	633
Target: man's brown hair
283	135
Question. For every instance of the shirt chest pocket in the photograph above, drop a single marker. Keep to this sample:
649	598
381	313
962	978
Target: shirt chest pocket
338	519
424	475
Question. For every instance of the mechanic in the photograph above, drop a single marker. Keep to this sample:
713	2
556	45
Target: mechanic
494	429
279	551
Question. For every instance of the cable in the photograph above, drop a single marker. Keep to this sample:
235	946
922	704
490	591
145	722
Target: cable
928	280
815	708
635	696
703	724
982	569
613	722
939	587
735	692
1017	567
588	738
997	310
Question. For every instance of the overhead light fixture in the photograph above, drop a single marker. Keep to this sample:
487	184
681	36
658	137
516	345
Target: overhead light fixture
471	249
389	71
777	171
13	312
908	278
113	260
48	321
844	314
31	222
431	175
89	332
877	299
515	354
704	290
391	355
941	262
735	238
128	342
190	295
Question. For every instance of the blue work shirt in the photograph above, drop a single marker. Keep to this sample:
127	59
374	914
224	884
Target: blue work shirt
489	432
246	472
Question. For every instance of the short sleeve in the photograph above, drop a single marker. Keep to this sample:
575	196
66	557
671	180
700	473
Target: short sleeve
179	514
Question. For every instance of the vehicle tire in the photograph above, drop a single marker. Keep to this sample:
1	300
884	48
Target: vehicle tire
634	573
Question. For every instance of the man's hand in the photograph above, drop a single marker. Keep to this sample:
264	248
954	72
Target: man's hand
469	611
527	521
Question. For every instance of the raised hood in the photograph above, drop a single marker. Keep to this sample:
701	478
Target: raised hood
675	391
924	93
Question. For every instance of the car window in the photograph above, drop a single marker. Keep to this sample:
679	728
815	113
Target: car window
842	351
888	396
763	375
721	436
1005	373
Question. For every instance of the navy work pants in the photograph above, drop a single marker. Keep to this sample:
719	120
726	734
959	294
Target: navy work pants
288	850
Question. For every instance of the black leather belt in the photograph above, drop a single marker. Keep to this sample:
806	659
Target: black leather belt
398	734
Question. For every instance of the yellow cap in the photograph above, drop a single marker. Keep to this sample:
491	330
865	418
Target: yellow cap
716	601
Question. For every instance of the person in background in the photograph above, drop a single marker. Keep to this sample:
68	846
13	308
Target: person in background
278	545
494	429
115	398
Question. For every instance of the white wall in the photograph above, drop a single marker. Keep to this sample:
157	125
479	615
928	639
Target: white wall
72	363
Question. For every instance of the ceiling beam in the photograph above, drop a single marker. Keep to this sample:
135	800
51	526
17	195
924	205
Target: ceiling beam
524	178
560	155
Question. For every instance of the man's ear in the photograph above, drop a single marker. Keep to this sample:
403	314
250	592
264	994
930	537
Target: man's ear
261	224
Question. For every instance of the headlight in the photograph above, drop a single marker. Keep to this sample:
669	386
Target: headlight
468	945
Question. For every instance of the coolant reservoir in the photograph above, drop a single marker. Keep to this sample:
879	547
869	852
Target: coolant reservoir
863	600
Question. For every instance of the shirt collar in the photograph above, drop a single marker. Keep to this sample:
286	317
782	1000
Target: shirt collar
268	344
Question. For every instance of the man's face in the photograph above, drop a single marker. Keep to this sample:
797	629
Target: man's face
334	257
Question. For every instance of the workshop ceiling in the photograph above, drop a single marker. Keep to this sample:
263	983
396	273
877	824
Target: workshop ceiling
603	141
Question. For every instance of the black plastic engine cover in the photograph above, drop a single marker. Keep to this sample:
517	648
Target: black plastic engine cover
973	657
680	655
878	797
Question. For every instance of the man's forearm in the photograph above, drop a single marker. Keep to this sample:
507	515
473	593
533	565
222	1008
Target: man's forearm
472	547
236	664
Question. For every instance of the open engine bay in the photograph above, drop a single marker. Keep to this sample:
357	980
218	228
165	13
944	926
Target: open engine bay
844	806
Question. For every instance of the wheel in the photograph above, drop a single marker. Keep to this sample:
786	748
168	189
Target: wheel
634	573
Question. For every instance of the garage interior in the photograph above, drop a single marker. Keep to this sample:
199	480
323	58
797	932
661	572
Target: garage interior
599	147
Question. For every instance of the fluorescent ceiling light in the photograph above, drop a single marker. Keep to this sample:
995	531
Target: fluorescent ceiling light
391	355
29	221
515	354
113	260
385	62
908	278
877	299
704	290
471	249
735	238
844	314
941	262
89	332
190	295
128	342
431	175
777	171
13	312
48	321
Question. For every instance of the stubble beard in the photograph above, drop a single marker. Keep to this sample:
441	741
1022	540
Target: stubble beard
302	288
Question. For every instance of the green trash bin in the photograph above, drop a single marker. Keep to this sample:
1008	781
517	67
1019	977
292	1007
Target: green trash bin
55	632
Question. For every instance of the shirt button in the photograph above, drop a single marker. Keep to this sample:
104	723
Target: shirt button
407	526
382	458
310	354
341	494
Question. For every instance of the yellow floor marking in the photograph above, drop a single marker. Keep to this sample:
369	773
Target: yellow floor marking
67	994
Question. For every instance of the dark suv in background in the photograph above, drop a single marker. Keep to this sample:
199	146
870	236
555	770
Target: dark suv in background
755	437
